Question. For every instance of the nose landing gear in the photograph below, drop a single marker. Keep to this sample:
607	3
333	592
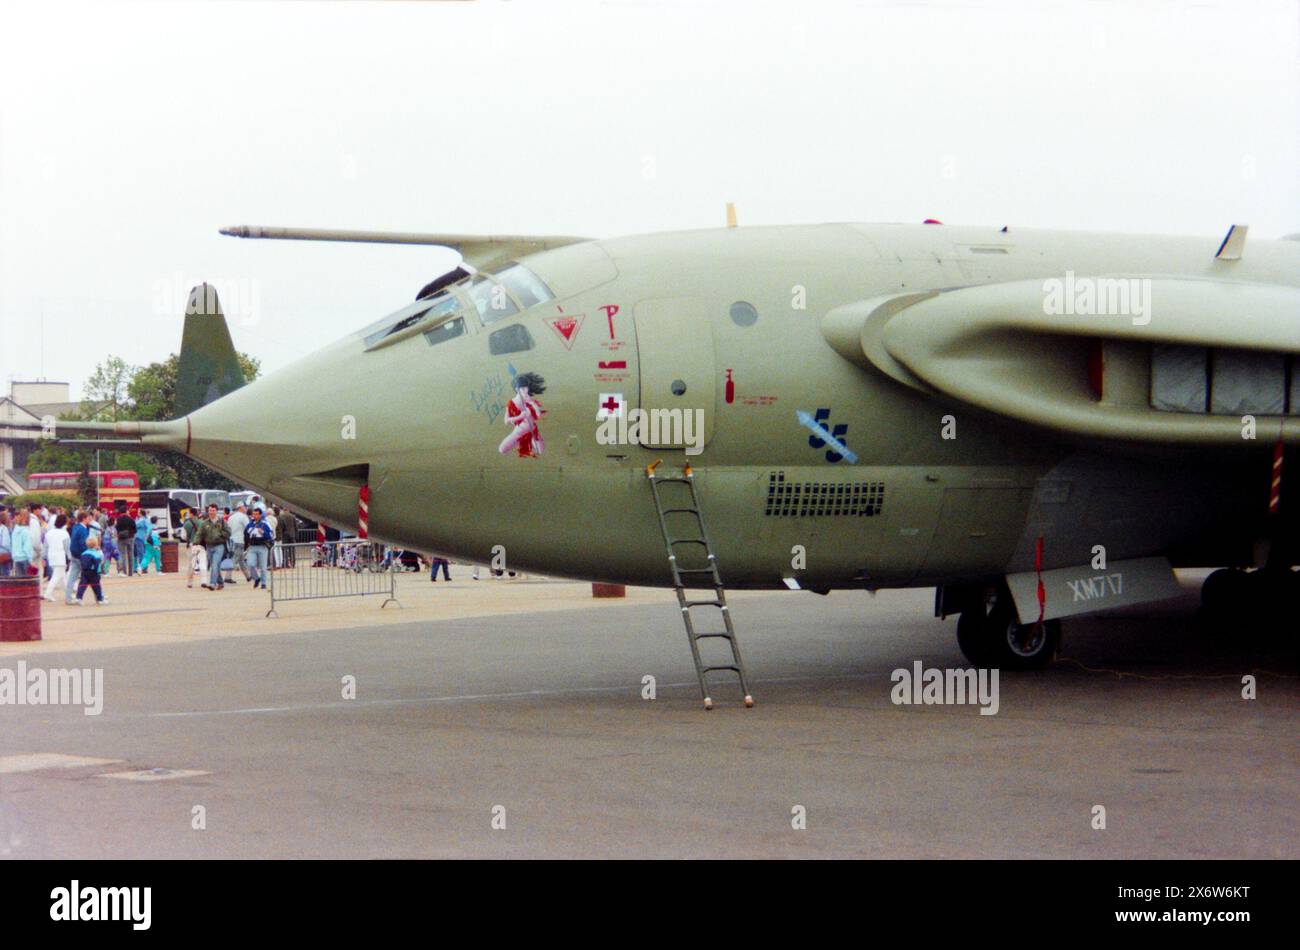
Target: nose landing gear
989	635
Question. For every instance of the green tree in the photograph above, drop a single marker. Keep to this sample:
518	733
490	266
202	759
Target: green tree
109	383
152	390
49	457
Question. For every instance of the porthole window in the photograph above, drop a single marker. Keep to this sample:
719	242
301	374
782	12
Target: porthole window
743	314
679	387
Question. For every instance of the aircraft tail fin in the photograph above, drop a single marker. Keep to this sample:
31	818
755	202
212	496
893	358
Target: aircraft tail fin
209	367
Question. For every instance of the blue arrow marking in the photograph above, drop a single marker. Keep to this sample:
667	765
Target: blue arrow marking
819	430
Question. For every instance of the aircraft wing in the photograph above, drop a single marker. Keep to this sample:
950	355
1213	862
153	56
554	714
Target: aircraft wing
483	251
1181	364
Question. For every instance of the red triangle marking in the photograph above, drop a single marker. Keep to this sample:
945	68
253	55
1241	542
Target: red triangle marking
567	328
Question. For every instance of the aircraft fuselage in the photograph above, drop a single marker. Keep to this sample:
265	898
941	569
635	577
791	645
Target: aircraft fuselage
726	326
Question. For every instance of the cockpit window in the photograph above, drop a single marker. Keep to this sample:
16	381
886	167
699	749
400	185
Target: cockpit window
446	331
525	285
419	312
495	297
492	300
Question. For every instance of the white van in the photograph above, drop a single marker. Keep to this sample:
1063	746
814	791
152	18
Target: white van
250	498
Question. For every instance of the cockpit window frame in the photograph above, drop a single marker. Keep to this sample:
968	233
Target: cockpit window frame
482	311
425	315
547	294
495	277
416	317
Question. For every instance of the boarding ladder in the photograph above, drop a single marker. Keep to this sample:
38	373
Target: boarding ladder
708	570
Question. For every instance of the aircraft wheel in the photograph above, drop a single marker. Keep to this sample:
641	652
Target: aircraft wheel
1224	590
1270	596
1225	595
990	637
972	640
1029	646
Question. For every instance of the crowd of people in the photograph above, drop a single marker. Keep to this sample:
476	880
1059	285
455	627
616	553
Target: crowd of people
252	541
72	549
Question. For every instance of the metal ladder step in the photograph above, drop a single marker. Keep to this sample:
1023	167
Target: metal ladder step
702	669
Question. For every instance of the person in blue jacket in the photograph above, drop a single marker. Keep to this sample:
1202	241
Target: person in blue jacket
92	559
22	545
142	529
76	548
259	538
112	553
6	544
152	549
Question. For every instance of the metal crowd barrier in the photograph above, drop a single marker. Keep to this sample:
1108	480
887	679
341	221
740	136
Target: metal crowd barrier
351	568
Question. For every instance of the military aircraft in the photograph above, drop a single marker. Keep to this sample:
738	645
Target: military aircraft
1039	424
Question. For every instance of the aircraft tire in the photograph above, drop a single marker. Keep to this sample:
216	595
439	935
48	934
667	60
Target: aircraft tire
972	640
1270	597
1028	646
1228	596
1224	590
989	636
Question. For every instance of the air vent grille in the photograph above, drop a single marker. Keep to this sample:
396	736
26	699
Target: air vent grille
788	499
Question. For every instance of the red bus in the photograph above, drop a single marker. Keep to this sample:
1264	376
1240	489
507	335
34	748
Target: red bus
113	486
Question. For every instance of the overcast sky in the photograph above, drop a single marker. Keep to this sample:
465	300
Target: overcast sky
130	132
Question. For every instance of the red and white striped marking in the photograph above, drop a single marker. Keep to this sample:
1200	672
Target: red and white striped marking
363	512
1275	489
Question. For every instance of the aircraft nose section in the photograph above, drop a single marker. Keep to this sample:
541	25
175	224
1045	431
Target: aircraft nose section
252	431
232	436
287	435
